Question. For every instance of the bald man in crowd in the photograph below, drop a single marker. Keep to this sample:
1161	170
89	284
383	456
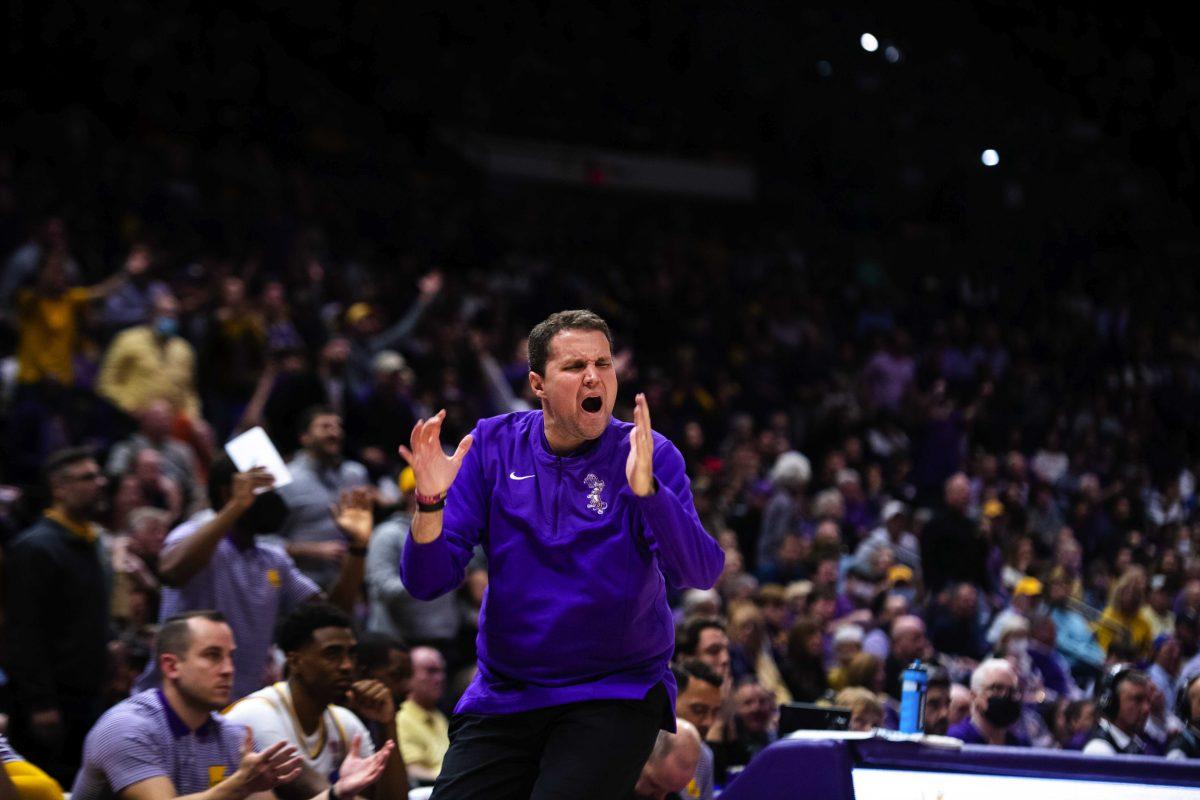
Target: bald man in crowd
671	764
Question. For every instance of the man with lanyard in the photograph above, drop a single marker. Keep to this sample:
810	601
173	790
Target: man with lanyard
318	641
167	742
1123	707
57	616
584	520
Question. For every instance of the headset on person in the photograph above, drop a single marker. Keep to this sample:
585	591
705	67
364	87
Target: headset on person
1108	702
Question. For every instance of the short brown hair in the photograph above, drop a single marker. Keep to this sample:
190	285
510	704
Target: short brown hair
551	326
175	635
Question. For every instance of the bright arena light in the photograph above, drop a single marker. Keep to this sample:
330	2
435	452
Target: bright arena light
869	42
990	158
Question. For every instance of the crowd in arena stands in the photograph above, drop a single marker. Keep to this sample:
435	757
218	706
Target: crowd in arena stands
952	495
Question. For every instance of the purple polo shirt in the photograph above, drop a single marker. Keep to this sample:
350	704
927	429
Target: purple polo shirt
578	566
252	586
142	738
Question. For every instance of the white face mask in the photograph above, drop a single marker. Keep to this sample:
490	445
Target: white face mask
1018	647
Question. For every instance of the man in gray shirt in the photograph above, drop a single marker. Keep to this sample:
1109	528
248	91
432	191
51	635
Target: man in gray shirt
319	474
435	623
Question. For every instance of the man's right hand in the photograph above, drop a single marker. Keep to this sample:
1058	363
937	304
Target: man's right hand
262	772
46	725
247	484
433	470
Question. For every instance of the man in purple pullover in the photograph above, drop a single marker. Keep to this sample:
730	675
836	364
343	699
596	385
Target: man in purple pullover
584	520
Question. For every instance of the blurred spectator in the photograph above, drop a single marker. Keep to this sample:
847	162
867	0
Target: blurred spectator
750	651
154	433
381	658
423	728
752	730
960	704
367	337
866	712
57	605
804	667
136	587
435	623
49	239
1164	669
953	549
909	643
1158	608
151	362
146	484
1054	669
1026	596
955	626
1079	717
893	534
384	415
783	513
868	672
937	702
704	639
1122	622
672	764
887	608
1122	706
319	475
847	643
234	354
49	316
995	706
1187	743
131	303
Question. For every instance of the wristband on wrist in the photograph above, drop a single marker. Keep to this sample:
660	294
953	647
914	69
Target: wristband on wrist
357	550
431	502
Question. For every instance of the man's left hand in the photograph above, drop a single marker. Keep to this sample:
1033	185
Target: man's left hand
639	469
373	700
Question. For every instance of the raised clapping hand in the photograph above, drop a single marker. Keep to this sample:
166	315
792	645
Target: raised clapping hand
356	773
352	515
433	470
639	468
262	772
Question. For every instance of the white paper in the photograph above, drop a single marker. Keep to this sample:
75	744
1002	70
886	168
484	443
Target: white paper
255	449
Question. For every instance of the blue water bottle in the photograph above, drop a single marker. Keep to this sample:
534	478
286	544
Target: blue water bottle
913	684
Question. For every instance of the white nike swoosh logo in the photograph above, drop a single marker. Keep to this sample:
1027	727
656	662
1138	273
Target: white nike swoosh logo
517	477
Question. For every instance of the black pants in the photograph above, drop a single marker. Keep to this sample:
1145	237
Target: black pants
581	751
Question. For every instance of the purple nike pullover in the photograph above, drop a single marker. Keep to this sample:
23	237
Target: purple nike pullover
576	606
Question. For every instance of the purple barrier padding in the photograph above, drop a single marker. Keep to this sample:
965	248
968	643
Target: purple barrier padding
1026	762
796	769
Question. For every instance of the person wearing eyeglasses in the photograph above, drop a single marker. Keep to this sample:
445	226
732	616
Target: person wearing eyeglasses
995	707
57	611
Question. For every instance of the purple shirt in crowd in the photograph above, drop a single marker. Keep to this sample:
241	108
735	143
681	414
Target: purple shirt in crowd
252	586
576	606
969	734
142	738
